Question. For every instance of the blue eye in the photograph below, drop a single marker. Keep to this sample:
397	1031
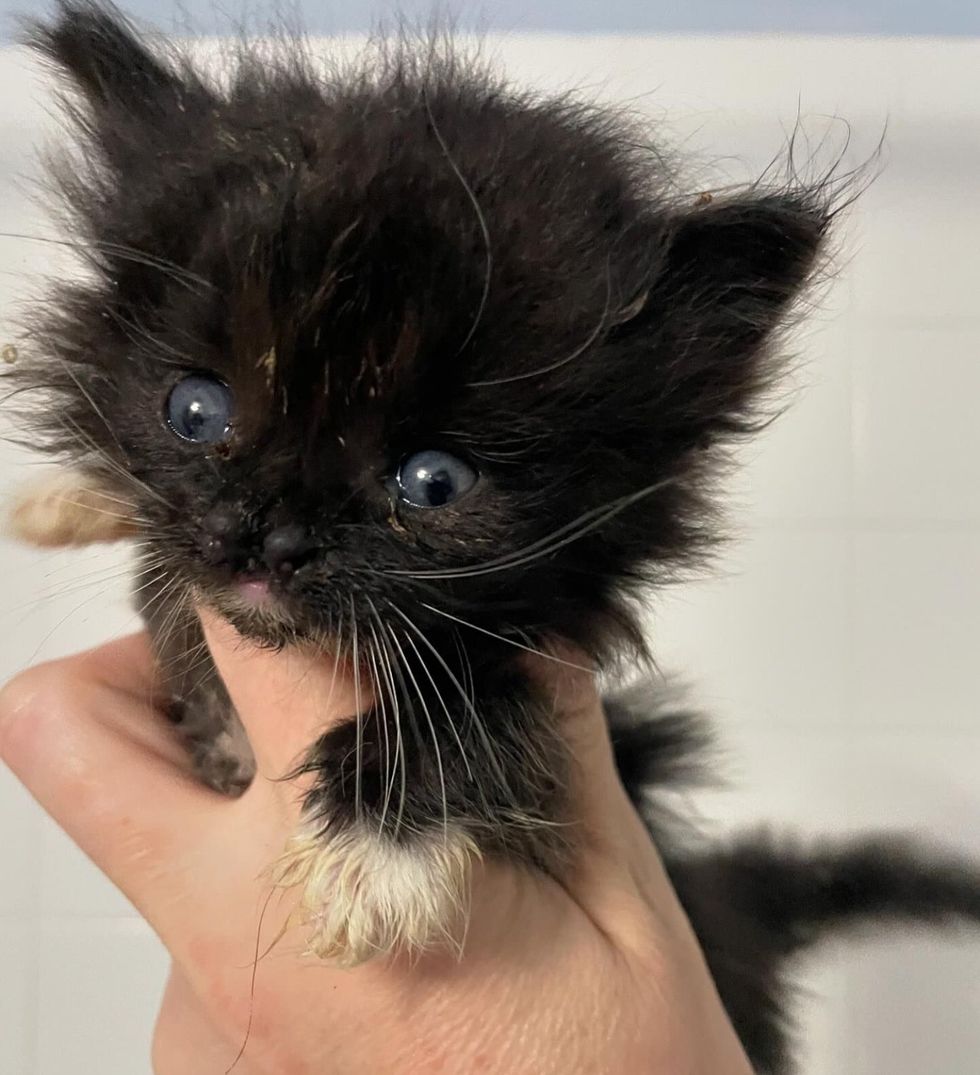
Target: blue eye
434	479
199	409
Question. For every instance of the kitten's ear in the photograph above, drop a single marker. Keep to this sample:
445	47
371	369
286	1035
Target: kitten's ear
729	273
744	260
99	50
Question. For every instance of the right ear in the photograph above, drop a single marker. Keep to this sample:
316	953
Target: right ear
104	58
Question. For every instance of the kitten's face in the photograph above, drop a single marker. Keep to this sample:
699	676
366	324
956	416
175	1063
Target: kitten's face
403	344
335	420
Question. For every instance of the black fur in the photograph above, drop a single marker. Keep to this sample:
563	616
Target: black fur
407	253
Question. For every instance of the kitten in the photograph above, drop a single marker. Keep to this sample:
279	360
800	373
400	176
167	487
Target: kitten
399	359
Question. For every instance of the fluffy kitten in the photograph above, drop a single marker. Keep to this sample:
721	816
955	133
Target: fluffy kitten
399	358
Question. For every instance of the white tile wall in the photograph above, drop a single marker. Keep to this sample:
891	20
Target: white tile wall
838	647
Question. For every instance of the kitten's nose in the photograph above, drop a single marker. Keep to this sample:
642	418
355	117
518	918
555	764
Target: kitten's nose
287	548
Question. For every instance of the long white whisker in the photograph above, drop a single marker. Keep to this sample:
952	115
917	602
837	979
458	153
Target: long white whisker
481	220
394	668
380	718
596	332
445	708
127	253
568	533
503	638
95	407
432	731
358	804
477	719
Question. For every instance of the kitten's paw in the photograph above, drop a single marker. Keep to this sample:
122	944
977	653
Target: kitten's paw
366	896
69	508
223	767
217	743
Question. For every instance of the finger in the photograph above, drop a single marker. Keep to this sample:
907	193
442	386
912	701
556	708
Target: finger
85	738
617	861
570	685
286	699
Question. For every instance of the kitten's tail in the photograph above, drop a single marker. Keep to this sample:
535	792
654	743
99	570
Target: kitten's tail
758	902
799	894
793	891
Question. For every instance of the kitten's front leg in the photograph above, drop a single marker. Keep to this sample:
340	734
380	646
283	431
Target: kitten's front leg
198	703
408	800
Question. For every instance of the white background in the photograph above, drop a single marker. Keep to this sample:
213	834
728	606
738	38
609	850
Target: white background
611	16
839	646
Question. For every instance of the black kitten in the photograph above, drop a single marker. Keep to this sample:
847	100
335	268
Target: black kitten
399	360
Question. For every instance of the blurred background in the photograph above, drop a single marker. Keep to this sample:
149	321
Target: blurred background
838	644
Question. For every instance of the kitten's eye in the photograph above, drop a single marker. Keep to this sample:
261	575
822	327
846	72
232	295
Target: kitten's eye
433	479
199	409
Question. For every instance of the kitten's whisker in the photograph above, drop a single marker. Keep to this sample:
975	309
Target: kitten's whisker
568	533
57	627
104	457
78	586
471	708
127	253
117	500
358	804
432	731
445	708
100	453
594	335
147	343
384	656
338	648
102	511
503	638
481	220
466	665
198	655
174	580
150	582
87	396
394	669
381	711
208	674
164	632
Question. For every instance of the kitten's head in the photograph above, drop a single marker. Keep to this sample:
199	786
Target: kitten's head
399	341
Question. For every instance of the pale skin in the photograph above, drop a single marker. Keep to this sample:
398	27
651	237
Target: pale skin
599	976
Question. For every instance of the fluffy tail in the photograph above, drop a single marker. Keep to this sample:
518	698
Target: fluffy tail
798	894
758	902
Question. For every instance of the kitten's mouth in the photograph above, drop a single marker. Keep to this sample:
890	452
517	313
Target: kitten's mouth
254	599
254	591
258	608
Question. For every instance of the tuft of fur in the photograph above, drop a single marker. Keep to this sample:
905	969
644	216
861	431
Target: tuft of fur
69	508
365	897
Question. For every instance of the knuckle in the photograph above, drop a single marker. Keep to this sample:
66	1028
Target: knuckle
30	697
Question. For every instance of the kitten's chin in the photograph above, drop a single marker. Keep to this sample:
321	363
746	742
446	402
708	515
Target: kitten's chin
256	611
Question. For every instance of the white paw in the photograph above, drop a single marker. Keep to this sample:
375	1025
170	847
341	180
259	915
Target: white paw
366	896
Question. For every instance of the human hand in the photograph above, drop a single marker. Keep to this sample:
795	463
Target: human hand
599	975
